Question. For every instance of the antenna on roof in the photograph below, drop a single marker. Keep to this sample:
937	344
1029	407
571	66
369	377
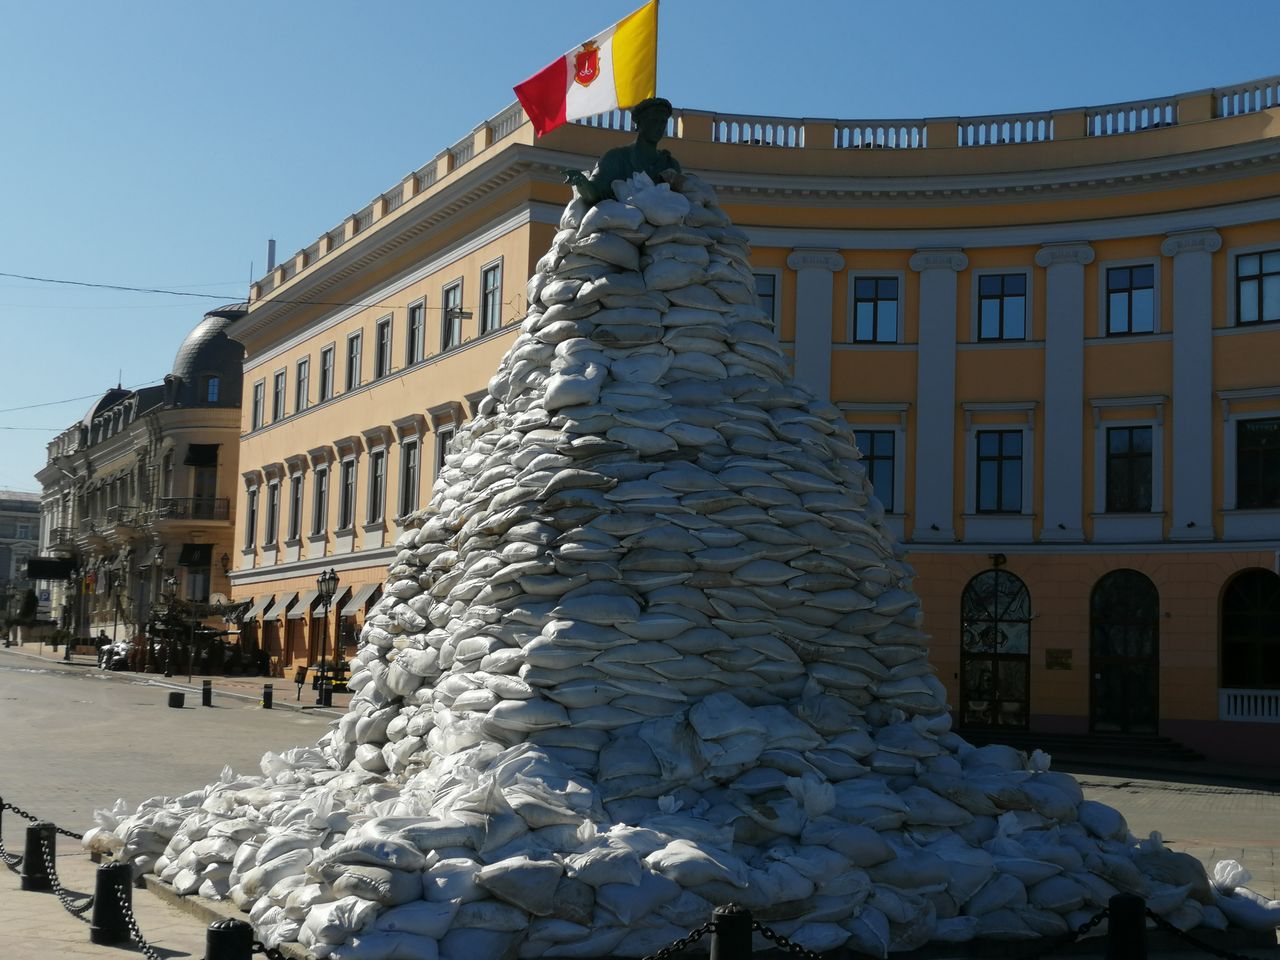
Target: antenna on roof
271	255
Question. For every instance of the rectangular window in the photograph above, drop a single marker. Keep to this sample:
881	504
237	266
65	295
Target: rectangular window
1129	469
353	361
277	396
451	317
767	295
273	514
320	501
382	356
408	477
295	506
1258	464
415	342
251	518
875	310
1258	287
347	496
302	388
198	584
999	471
1131	305
377	484
1002	306
443	436
491	298
326	374
877	448
259	403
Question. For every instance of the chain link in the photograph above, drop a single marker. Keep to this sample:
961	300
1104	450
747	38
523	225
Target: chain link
1196	942
34	819
271	953
11	861
51	870
677	946
793	948
126	908
1071	936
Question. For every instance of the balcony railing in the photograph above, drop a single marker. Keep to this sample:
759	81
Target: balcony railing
193	508
1249	706
121	514
1104	120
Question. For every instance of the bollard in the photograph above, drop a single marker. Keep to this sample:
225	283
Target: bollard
177	699
731	939
34	874
206	693
228	939
267	694
1127	928
113	888
326	695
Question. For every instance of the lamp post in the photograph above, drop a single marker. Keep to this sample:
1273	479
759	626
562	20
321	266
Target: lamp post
170	595
327	585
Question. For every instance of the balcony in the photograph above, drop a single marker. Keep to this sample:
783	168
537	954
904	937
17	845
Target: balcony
193	508
123	521
1249	706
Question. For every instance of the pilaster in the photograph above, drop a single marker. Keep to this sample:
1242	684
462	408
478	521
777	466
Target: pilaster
815	297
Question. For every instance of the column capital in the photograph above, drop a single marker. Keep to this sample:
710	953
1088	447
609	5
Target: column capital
809	258
1193	241
950	259
1052	254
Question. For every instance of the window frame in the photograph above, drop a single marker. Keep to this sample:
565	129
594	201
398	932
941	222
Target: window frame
1104	297
1237	425
446	325
1237	254
211	387
851	317
258	410
869	459
976	298
326	383
415	345
1129	458
999	415
1000	459
296	494
376	496
348	479
251	517
271	536
1143	411
382	339
279	388
355	358
302	385
410	474
776	276
490	298
320	500
444	434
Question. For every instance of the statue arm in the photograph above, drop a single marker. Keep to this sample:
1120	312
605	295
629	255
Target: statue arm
591	189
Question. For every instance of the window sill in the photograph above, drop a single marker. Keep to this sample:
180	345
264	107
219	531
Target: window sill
1251	524
1127	527
998	527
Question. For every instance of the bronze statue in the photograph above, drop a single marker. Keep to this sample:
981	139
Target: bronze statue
651	118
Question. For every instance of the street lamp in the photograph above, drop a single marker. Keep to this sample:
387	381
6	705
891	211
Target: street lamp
170	594
327	585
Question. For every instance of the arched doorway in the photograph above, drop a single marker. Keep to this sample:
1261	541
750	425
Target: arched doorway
1124	654
995	651
1251	631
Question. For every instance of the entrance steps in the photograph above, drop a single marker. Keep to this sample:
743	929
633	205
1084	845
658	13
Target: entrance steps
1130	751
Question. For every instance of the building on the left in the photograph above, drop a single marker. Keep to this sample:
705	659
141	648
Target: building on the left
136	498
19	539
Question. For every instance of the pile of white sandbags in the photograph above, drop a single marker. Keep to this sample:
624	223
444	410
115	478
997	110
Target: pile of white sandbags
650	649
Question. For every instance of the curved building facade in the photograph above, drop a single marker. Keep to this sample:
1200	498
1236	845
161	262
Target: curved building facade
1056	335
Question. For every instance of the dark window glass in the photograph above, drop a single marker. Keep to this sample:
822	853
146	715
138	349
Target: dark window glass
353	361
326	374
377	484
382	357
451	317
211	387
877	448
302	388
443	437
1129	469
251	519
1130	300
1251	631
320	508
1002	306
999	487
408	478
273	513
259	402
491	298
295	507
347	496
414	345
875	310
277	397
1258	287
1257	464
767	294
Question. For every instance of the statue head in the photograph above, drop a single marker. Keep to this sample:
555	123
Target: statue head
651	116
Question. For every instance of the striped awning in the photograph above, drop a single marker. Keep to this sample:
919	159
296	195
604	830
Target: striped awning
303	606
358	600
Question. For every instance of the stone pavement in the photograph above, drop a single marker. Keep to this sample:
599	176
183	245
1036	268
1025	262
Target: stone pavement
76	738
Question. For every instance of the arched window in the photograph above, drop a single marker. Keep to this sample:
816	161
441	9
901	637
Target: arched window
995	651
212	384
1251	631
1124	653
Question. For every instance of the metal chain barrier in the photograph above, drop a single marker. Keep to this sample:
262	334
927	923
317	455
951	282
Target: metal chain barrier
783	943
126	908
677	946
1163	924
59	891
271	953
34	819
1070	937
11	861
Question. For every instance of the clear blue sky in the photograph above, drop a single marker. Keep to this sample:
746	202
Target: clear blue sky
154	143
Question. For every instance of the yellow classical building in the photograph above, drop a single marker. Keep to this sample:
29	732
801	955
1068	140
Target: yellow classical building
1057	334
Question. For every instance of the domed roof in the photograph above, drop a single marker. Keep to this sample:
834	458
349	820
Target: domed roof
208	352
105	402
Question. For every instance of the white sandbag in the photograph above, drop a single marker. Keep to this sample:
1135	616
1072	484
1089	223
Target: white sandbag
691	865
528	884
337	920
